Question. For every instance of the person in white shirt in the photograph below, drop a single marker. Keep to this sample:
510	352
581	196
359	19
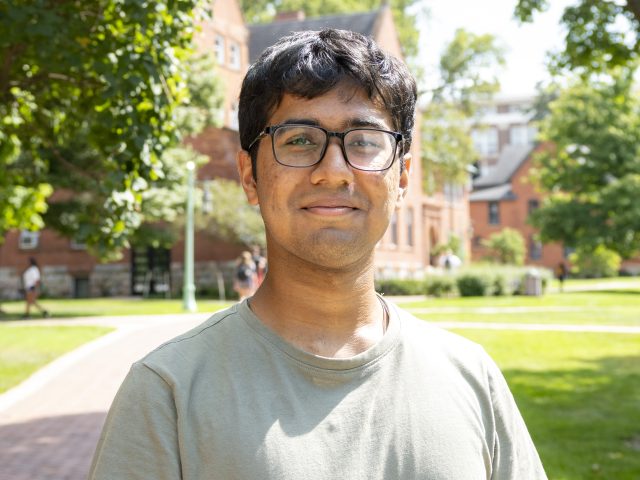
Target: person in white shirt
31	284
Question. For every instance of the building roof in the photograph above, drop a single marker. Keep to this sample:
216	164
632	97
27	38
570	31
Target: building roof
264	35
493	194
510	159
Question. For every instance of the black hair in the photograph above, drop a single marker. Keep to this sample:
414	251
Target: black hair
309	64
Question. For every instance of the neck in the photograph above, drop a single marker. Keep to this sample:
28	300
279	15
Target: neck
328	312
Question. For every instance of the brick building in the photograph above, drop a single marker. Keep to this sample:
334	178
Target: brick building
504	197
405	251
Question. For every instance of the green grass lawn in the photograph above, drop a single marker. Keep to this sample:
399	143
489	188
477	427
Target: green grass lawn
615	307
580	396
100	307
579	392
25	349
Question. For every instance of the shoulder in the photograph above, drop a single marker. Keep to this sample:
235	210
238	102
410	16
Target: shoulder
203	344
443	349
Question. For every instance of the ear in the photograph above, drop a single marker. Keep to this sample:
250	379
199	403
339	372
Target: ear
404	180
245	172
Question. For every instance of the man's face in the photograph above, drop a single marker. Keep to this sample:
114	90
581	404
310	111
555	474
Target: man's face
329	214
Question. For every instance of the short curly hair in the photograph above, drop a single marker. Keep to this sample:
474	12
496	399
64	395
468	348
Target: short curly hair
311	63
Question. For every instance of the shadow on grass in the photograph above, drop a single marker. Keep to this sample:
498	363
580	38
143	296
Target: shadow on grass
50	448
584	422
610	291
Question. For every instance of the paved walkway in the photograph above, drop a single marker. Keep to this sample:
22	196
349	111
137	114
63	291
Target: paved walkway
50	424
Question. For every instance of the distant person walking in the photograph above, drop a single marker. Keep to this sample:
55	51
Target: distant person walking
31	284
561	274
261	265
246	279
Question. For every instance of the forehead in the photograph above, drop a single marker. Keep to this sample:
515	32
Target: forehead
341	107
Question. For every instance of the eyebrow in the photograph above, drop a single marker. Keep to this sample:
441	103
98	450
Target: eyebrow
364	122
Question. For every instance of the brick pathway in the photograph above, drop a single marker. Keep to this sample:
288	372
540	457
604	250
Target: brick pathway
49	425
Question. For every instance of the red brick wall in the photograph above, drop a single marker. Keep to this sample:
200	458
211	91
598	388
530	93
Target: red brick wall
513	214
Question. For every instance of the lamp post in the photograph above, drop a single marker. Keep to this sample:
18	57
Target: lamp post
189	288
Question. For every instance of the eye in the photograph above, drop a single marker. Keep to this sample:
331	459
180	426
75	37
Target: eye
366	140
299	140
299	137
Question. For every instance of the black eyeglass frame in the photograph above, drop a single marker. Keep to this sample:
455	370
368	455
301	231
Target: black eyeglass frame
272	129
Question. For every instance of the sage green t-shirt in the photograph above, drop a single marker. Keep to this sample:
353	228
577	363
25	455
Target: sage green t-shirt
231	400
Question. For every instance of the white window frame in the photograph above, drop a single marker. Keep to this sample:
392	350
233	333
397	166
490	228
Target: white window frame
519	135
234	55
409	226
219	46
28	240
486	141
233	117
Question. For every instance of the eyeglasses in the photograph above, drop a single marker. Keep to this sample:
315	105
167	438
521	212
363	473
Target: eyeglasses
299	146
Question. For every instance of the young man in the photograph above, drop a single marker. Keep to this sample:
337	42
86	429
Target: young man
316	376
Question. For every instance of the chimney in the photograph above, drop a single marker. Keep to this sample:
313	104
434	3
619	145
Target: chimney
295	16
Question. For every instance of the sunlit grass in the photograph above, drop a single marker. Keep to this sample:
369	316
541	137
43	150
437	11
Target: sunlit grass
97	307
25	349
580	396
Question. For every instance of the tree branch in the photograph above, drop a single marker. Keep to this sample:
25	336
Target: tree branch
9	56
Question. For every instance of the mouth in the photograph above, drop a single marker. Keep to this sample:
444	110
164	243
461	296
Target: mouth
330	207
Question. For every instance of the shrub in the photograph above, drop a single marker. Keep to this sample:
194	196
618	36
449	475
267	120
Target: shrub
506	247
397	286
595	263
473	285
439	286
499	285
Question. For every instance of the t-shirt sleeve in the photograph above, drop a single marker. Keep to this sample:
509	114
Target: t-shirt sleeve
514	455
139	439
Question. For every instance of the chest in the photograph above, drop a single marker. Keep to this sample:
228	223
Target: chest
293	424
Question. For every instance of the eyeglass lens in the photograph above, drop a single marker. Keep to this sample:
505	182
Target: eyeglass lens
302	146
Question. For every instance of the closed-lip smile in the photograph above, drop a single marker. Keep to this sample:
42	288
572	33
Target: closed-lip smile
330	206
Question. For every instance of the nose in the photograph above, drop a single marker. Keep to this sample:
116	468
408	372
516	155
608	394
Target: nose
333	167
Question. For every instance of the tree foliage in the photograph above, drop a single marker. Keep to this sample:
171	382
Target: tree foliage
595	263
592	171
88	97
226	213
256	11
600	35
506	247
467	74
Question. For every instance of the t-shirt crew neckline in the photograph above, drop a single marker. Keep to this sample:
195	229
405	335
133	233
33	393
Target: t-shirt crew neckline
359	361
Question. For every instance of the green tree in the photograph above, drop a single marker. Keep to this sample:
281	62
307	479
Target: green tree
256	11
230	216
591	171
601	34
595	262
467	74
506	247
88	97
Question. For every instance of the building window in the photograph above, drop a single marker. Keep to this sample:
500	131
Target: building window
535	248
234	56
566	251
219	48
477	241
28	240
533	205
519	135
394	228
494	213
485	141
77	245
233	114
409	224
